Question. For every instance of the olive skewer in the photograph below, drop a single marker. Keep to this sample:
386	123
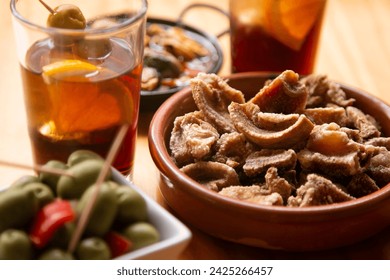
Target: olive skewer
83	220
37	168
47	7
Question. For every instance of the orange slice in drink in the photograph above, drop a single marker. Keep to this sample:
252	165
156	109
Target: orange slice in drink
69	68
289	21
81	104
85	107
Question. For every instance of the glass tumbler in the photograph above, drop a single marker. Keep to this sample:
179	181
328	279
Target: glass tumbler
81	74
275	35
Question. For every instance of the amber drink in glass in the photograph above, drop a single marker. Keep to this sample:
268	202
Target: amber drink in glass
275	35
81	85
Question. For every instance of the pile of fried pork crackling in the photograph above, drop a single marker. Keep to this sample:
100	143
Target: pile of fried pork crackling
298	142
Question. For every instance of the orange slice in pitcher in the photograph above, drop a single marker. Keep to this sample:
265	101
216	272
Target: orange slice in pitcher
67	68
289	21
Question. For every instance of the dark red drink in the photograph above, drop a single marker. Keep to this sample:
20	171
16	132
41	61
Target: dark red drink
72	107
254	48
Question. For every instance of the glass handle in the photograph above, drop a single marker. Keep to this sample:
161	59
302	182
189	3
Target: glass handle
207	6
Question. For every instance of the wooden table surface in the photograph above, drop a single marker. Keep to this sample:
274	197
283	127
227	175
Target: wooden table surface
354	49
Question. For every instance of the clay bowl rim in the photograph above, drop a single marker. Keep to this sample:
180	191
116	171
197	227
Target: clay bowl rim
168	168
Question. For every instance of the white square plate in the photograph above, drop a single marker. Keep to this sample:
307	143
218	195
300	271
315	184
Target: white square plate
174	235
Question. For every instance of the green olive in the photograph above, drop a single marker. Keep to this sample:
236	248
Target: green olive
84	174
41	191
17	208
56	254
93	248
131	206
104	211
67	16
51	179
81	155
63	235
24	180
15	245
141	234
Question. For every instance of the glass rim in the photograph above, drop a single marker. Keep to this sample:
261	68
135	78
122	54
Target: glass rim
139	14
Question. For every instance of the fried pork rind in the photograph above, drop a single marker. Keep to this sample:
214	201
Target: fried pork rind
275	191
379	167
329	139
192	138
353	134
361	185
337	96
213	175
379	142
318	191
364	123
274	122
296	143
337	166
258	162
327	115
330	151
285	94
254	194
322	92
380	175
177	42
232	149
276	184
245	119
212	96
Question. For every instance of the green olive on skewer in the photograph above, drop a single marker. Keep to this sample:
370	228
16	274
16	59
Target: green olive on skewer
66	16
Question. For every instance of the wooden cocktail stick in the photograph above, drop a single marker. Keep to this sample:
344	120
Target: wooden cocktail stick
37	167
84	217
47	7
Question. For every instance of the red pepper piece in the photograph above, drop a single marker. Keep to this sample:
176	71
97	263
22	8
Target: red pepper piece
117	243
49	219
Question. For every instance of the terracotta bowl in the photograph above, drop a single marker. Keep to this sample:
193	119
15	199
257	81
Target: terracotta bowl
271	227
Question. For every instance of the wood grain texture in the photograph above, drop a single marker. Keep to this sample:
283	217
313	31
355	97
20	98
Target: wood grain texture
354	49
